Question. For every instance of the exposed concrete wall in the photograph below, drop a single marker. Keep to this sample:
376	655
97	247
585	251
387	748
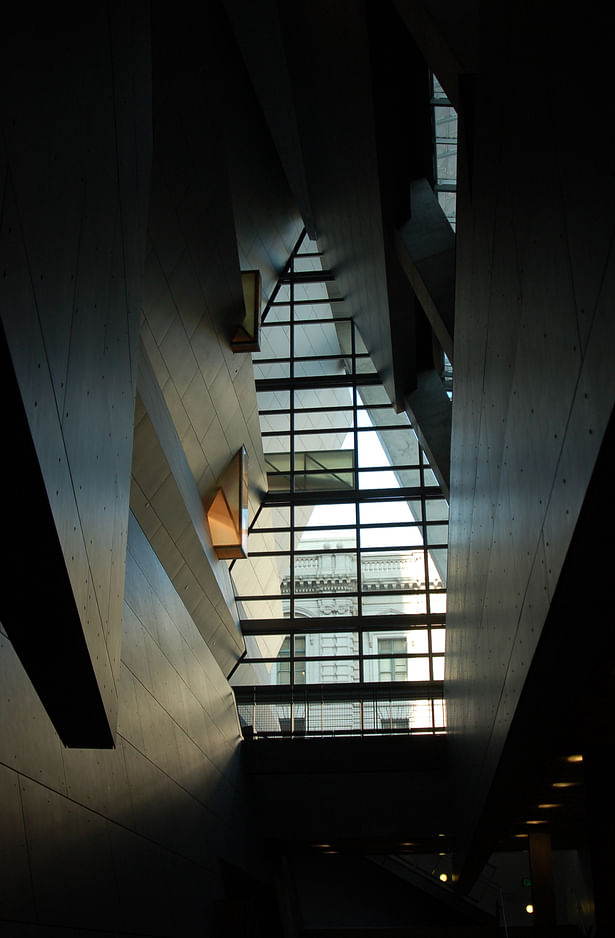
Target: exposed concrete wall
125	841
534	339
75	157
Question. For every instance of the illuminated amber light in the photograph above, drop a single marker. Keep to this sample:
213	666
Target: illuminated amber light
443	878
529	908
520	835
549	806
575	758
539	821
247	334
227	512
564	784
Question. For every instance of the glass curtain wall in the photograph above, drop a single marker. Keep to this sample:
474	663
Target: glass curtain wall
356	525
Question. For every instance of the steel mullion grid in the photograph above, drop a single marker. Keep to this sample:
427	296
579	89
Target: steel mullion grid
319	431
330	410
372	657
342	550
315	302
424	532
344	594
309	358
284	529
291	401
411	622
281	282
318	321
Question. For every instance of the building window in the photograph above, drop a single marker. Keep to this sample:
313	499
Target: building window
392	669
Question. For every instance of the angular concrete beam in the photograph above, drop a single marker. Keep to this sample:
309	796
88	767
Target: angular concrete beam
430	412
446	34
426	250
259	35
166	503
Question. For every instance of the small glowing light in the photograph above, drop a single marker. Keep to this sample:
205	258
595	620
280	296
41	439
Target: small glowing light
321	846
538	821
441	835
564	784
529	908
441	854
443	878
406	843
575	758
549	806
330	851
520	835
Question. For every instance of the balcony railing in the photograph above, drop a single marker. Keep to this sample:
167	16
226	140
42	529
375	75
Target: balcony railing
395	708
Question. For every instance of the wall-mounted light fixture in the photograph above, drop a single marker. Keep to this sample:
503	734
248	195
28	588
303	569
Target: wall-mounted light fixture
227	513
247	333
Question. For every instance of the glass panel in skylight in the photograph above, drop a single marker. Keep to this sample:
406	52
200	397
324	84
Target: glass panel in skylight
271	541
445	118
317	367
373	394
316	339
396	536
337	446
278	423
436	509
272	517
340	538
438	638
439	558
317	515
397	511
327	573
437	602
376	480
437	533
391	605
323	397
311	291
335	420
316	311
397	569
438	668
271	370
273	445
275	343
413	641
396	669
332	643
446	161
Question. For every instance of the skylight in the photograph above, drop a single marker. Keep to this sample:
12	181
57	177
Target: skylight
353	529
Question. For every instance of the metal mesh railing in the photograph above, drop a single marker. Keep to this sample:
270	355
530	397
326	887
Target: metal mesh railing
328	711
